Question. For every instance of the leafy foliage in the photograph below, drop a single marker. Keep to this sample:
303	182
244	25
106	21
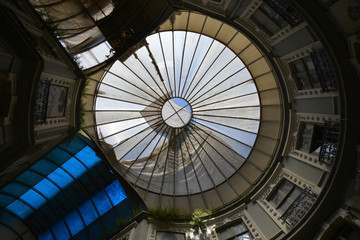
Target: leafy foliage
167	215
199	217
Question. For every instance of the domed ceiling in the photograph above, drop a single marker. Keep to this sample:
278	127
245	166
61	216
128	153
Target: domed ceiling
192	118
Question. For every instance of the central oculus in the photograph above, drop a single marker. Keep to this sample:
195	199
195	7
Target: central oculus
176	112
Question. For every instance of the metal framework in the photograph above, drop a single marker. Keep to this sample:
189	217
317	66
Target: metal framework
299	207
199	157
329	142
65	194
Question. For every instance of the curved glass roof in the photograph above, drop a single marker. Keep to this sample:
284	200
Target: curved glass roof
148	126
183	116
69	193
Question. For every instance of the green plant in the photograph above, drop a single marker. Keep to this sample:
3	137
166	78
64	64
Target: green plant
121	222
167	215
199	217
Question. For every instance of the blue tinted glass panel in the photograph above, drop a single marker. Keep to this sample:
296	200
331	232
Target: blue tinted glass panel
5	200
75	145
45	236
33	198
44	167
58	156
81	236
96	231
60	231
110	222
60	177
15	189
29	178
88	157
74	222
74	167
88	212
47	188
102	202
19	208
115	192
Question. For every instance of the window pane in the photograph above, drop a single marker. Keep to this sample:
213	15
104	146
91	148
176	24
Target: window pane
60	231
74	222
88	212
20	209
115	192
102	202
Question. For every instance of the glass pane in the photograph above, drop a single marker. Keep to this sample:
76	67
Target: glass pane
308	129
74	167
61	178
299	66
102	202
20	209
45	236
88	212
88	157
60	231
47	188
33	198
74	222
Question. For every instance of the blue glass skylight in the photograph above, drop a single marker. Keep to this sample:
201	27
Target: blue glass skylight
64	189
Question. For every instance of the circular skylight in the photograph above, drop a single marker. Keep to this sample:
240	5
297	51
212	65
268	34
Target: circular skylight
181	116
176	112
152	91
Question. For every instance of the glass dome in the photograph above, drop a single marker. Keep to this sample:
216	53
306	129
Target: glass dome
181	116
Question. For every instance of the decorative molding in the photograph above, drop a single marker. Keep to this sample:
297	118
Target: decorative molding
254	229
258	32
265	187
301	52
286	11
70	84
298	209
273	212
126	233
299	181
309	158
287	59
8	97
286	32
354	44
251	8
41	101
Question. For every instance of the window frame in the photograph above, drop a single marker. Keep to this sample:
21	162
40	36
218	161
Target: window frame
227	225
315	137
309	73
276	190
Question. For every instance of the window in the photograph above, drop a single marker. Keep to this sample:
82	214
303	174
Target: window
284	195
287	12
268	19
310	137
314	71
305	74
235	230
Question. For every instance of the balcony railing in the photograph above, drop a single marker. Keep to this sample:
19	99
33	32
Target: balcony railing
324	70
288	13
299	207
41	102
329	142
